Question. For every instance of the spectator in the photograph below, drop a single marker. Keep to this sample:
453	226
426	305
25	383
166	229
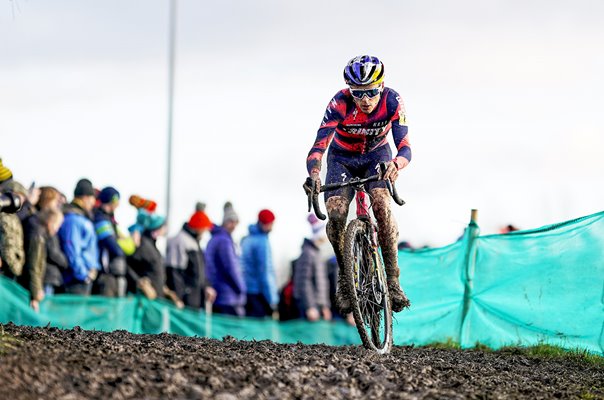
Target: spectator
12	252
56	262
144	207
258	270
311	286
39	228
29	206
6	175
112	281
185	261
147	262
508	229
288	308
223	269
79	242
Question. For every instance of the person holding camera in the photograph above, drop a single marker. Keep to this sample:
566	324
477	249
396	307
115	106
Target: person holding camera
12	252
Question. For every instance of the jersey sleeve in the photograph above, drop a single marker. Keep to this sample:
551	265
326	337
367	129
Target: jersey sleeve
396	109
336	109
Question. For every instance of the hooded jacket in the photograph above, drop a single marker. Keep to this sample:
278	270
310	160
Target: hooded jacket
223	270
257	263
79	243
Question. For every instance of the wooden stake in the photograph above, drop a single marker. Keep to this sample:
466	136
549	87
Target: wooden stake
474	215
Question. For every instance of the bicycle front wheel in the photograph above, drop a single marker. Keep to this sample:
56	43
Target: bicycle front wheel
367	287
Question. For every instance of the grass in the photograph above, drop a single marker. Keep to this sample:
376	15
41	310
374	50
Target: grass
7	342
542	350
554	352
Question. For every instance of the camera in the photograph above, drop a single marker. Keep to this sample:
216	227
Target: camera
10	202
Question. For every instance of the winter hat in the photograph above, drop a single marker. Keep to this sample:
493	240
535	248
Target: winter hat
139	225
109	195
229	213
317	226
83	188
5	173
152	221
14	186
142	203
265	217
199	221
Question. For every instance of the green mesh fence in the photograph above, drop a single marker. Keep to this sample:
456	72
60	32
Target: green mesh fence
529	287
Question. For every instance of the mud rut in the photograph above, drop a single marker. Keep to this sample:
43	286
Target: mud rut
50	363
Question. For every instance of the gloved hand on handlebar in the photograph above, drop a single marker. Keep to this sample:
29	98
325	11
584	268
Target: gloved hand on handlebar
313	183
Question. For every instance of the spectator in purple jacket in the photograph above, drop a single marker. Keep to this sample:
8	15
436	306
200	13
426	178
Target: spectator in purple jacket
223	270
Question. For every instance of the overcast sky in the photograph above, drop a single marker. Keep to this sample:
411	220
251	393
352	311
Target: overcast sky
504	102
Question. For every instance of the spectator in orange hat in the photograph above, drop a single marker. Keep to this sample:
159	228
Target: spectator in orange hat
185	261
258	269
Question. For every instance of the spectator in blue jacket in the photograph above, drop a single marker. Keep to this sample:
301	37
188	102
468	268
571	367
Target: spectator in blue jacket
258	270
222	267
79	242
112	281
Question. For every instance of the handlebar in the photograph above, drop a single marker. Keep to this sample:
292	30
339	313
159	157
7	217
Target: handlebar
357	183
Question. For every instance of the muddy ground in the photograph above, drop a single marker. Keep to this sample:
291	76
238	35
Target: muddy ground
49	363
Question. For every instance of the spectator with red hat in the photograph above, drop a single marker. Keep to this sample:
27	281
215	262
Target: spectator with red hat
185	261
258	269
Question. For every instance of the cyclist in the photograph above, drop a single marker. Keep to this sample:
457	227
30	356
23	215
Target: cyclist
358	120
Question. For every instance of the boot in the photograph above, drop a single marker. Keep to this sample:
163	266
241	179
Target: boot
398	299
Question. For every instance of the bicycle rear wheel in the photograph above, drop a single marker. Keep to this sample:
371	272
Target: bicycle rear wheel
367	287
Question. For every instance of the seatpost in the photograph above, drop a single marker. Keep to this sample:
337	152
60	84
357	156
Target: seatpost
362	200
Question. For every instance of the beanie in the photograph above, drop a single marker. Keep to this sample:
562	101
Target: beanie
83	188
142	203
5	173
14	186
229	213
156	221
148	221
317	227
266	217
199	221
109	195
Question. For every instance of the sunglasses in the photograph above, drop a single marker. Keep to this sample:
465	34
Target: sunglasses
360	93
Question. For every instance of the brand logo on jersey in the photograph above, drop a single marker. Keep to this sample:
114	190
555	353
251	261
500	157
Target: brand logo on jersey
364	131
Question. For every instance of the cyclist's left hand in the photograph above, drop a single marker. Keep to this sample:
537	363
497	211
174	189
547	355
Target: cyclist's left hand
391	171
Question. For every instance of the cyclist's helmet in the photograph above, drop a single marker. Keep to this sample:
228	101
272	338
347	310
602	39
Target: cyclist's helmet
364	70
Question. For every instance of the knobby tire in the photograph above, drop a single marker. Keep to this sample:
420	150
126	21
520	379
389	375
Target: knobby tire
372	313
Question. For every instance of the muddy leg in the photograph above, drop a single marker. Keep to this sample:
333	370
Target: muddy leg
337	210
388	238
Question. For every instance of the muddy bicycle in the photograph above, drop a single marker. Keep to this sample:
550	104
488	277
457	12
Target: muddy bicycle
363	268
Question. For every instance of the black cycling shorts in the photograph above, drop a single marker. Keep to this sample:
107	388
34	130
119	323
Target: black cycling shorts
341	166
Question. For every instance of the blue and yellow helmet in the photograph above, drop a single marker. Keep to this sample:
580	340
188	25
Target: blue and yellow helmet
364	70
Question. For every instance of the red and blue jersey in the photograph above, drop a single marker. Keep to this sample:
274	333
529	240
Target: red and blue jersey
354	132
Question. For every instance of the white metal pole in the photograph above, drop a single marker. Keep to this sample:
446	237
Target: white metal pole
171	63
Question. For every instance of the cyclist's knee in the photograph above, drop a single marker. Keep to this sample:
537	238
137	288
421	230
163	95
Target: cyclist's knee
381	203
337	208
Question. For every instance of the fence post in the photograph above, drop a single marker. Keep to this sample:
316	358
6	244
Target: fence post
472	232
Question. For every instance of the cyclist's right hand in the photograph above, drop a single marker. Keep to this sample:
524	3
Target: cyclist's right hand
313	183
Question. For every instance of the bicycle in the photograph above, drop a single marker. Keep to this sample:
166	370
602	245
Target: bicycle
363	269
